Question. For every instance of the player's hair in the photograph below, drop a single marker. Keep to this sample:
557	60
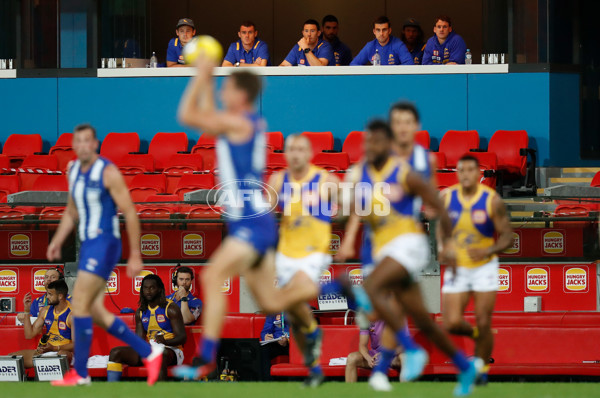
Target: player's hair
382	19
329	18
162	300
468	158
249	24
405	106
83	127
444	18
60	286
312	22
380	126
184	270
248	82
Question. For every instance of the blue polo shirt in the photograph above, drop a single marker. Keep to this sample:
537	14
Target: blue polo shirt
236	53
453	50
393	53
341	53
275	325
323	50
194	304
174	51
417	53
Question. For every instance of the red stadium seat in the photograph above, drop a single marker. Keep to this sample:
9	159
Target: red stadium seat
422	138
4	163
51	213
63	150
209	157
440	159
162	197
507	146
144	185
9	213
50	182
274	140
18	146
456	143
9	183
165	145
275	161
116	145
206	141
132	164
40	162
332	161
65	140
446	180
156	211
180	164
353	145
194	182
575	210
320	141
596	180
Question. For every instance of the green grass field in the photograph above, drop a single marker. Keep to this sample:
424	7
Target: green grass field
293	389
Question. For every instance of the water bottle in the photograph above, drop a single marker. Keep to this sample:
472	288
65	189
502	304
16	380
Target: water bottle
153	61
376	58
468	57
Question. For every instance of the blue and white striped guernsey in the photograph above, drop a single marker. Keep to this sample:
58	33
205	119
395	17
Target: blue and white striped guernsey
95	206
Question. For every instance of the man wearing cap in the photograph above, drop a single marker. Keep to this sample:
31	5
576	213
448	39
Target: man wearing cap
341	53
391	49
248	50
310	49
412	37
445	47
185	31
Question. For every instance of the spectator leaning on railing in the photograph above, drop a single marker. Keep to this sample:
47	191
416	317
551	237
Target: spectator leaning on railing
185	31
391	49
310	49
248	50
341	53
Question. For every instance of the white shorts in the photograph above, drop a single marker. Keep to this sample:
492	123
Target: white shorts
410	250
480	279
312	265
177	351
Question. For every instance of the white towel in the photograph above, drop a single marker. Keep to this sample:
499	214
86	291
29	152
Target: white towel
337	361
98	362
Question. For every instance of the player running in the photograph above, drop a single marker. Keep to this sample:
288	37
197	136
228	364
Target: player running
477	212
404	123
96	189
386	189
305	193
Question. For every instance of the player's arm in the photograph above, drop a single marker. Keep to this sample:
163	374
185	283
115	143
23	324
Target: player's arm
66	225
363	347
197	107
114	182
275	182
34	330
139	326
430	196
179	336
186	313
314	61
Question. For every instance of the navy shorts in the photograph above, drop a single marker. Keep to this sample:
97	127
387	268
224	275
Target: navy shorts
260	232
100	255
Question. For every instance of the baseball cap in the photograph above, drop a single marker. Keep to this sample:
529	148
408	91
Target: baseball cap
411	22
185	22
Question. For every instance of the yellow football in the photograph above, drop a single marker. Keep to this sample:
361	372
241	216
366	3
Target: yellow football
206	45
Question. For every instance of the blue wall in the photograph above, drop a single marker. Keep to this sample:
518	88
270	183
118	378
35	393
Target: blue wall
546	105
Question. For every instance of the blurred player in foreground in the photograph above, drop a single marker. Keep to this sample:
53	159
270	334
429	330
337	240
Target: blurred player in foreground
477	212
96	189
386	190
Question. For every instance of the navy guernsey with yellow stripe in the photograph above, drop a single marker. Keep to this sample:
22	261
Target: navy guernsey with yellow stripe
472	222
58	325
403	215
237	53
157	320
305	226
